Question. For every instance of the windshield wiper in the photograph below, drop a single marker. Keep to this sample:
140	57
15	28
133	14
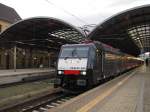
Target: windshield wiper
66	58
75	54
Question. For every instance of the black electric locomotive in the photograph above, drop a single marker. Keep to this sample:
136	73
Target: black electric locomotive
85	65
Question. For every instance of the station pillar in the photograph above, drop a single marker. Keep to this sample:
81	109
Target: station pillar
15	54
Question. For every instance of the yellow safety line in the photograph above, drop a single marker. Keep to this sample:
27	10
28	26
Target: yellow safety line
91	104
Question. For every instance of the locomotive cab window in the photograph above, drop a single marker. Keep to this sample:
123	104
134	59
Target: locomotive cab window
92	57
79	52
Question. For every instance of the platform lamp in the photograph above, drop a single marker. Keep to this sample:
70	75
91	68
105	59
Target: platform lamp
6	53
24	53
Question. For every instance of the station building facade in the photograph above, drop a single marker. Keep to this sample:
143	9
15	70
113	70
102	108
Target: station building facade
8	16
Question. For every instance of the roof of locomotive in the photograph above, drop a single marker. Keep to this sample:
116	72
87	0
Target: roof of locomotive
82	44
97	45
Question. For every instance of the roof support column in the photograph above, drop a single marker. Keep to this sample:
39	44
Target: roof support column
15	54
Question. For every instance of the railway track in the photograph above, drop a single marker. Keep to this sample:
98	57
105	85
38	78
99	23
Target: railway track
40	104
50	103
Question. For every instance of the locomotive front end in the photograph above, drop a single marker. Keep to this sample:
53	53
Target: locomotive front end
72	67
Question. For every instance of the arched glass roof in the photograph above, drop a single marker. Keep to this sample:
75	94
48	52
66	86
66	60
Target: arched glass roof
128	30
41	32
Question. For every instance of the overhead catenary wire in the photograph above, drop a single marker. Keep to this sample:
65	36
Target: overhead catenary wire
67	12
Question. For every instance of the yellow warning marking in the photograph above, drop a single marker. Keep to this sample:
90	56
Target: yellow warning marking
91	104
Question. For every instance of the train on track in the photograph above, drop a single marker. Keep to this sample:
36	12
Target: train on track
84	65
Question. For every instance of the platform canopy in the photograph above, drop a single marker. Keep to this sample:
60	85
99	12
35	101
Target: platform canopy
129	30
42	33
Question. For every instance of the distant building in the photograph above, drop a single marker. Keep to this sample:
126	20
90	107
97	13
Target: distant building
8	16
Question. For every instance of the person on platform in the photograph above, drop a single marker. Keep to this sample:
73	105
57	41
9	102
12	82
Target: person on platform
146	61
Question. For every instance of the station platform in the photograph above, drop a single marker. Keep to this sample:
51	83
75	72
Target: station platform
11	76
129	92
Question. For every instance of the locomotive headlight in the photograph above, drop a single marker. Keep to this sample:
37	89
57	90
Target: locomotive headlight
60	72
83	73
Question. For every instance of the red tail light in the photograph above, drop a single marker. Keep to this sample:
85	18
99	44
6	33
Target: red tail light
71	72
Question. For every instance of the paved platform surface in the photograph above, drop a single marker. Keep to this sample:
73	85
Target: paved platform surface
23	71
127	93
10	76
